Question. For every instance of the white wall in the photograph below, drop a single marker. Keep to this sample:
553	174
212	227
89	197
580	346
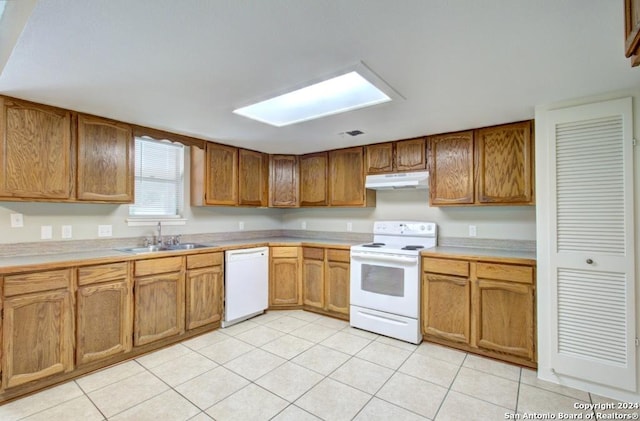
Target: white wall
492	222
544	292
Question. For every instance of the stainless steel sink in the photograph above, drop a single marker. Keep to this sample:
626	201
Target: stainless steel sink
154	248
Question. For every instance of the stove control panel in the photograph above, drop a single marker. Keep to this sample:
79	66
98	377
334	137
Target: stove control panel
408	228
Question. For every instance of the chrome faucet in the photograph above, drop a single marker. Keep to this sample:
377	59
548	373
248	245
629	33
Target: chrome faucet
159	240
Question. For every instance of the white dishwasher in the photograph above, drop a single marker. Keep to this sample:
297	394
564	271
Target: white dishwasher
246	284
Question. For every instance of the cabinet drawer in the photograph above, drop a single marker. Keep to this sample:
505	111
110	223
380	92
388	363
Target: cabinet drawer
445	266
204	260
514	273
153	266
101	273
338	256
314	253
284	251
36	282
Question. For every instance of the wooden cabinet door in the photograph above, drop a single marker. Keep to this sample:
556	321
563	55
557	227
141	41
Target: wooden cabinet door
221	181
159	307
284	277
313	277
504	317
284	181
505	164
410	155
632	31
105	160
103	290
35	151
253	178
379	158
346	177
337	287
204	296
314	174
37	327
451	169
446	307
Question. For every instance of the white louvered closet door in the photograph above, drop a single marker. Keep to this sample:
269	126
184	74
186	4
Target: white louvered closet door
592	255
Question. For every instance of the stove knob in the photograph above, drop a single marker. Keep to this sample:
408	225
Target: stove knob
422	228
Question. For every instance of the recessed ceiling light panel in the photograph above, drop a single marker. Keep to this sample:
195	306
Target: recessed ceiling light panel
348	91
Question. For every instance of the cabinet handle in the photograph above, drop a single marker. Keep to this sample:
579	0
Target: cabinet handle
589	261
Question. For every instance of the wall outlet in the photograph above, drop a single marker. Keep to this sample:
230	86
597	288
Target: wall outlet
46	232
67	231
303	225
241	225
472	231
105	230
17	220
349	226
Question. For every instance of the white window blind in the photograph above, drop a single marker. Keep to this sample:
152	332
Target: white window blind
159	172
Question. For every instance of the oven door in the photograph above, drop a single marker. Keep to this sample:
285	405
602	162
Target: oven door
386	282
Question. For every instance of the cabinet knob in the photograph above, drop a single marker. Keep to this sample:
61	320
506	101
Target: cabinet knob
589	261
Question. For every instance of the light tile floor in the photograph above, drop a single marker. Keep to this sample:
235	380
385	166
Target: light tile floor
295	365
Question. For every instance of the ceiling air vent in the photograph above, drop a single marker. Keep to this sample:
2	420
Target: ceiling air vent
354	132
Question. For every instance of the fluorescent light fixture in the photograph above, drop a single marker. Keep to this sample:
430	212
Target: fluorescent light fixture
348	91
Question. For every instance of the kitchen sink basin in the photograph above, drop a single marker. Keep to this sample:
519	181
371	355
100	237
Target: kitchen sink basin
154	248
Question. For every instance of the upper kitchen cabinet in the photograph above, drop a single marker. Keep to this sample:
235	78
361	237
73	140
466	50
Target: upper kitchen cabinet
487	166
284	190
346	179
105	160
314	173
632	30
504	158
36	152
214	175
404	155
451	169
253	171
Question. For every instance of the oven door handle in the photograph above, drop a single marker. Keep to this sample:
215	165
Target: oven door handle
384	258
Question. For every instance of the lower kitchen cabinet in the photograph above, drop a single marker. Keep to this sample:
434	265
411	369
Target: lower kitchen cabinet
37	338
337	275
480	306
204	289
504	309
313	277
158	299
285	277
104	312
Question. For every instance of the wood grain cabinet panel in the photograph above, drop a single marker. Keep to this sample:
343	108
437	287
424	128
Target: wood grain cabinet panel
285	281
447	307
504	317
632	30
410	155
379	158
104	312
337	286
37	330
106	152
204	291
284	187
253	173
314	175
159	303
221	179
346	179
313	277
451	169
505	164
36	151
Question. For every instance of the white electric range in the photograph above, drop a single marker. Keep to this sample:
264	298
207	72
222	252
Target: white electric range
385	279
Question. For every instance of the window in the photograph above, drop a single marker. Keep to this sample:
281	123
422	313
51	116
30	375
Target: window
159	179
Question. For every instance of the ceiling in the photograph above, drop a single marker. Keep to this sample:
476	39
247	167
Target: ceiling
183	66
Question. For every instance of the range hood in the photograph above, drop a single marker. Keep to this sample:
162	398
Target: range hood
406	180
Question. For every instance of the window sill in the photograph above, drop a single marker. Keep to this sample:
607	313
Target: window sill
141	222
